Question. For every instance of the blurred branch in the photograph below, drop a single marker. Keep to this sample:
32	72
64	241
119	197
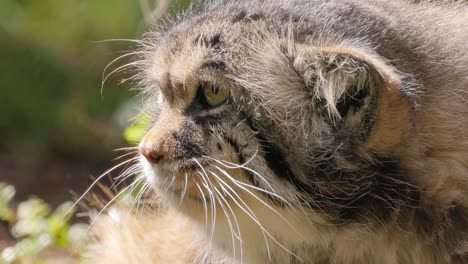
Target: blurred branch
151	14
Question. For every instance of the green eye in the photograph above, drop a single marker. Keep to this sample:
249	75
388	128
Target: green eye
215	96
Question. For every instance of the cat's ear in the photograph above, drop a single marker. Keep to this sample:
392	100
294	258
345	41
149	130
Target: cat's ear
344	83
357	93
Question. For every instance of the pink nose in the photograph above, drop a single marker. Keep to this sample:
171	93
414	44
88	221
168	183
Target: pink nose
151	154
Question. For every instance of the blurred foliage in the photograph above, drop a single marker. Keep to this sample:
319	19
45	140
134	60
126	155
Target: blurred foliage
135	132
37	229
53	53
51	69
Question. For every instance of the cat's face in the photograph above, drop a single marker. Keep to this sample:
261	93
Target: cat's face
247	115
204	144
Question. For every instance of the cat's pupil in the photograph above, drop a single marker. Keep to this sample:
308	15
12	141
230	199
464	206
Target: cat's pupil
214	90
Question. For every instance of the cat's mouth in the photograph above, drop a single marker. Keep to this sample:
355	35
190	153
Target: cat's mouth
191	178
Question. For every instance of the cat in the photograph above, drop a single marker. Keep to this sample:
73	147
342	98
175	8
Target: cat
299	131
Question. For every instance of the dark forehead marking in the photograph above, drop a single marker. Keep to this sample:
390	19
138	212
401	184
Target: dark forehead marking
214	41
242	16
214	65
237	18
256	16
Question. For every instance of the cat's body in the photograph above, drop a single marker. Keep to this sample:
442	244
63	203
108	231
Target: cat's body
336	133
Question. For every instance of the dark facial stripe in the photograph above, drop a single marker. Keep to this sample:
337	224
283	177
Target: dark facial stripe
214	42
250	177
273	155
274	158
240	156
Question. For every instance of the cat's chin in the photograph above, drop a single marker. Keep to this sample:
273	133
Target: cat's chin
178	189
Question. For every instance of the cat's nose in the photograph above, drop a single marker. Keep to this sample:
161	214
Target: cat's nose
152	155
158	144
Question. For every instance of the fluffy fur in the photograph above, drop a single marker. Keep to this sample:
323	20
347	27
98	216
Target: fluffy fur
343	139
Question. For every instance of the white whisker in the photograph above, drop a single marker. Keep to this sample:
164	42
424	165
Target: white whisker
256	197
247	211
97	180
138	41
125	155
126	149
118	69
212	203
234	235
202	195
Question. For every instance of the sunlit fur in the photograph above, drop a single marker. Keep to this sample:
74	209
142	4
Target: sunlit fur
344	139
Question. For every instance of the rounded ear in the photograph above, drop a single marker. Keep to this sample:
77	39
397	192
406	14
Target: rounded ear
346	84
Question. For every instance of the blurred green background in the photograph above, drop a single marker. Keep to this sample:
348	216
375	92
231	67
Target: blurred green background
57	131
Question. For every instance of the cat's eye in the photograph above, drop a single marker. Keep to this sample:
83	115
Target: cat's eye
214	95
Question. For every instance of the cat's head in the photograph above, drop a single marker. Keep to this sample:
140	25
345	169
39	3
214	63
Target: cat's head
251	112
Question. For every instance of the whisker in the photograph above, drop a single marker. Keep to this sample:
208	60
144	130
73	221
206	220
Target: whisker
202	194
212	204
138	41
95	217
251	214
125	155
127	148
129	171
172	182
231	165
234	235
237	166
142	191
118	69
237	235
97	180
104	77
257	198
136	184
182	195
107	205
133	172
247	211
272	193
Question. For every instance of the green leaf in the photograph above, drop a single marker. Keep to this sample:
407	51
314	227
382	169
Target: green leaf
134	133
7	192
33	209
31	246
31	218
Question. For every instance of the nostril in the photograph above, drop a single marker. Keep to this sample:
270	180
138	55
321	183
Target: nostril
152	155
